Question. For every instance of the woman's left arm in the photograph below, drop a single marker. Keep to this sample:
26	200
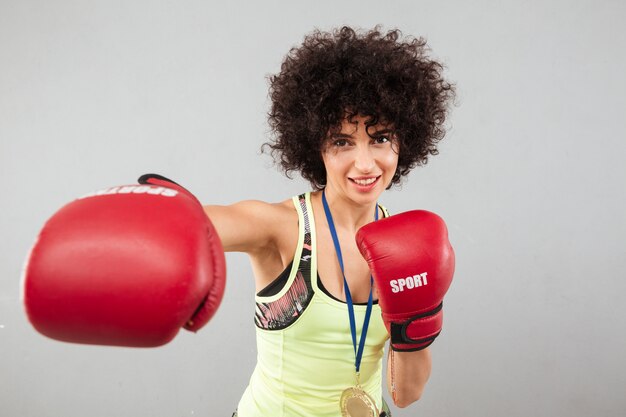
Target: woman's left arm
407	374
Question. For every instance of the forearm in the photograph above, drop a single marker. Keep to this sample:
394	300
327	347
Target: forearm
409	372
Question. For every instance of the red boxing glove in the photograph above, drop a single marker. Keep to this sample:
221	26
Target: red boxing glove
412	263
125	266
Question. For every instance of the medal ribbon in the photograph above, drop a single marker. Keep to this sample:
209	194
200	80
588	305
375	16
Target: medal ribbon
366	321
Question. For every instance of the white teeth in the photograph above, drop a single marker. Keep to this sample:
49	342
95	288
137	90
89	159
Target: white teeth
365	182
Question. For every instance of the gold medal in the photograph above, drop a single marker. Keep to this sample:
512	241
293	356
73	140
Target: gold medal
355	402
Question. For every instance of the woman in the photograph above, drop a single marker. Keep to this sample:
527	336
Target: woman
353	113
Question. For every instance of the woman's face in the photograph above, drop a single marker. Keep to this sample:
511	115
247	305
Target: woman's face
360	160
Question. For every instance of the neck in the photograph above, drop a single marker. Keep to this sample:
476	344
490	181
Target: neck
346	213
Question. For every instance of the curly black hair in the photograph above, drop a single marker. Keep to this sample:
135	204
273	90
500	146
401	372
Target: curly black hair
344	73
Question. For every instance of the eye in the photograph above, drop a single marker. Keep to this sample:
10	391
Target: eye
339	143
381	139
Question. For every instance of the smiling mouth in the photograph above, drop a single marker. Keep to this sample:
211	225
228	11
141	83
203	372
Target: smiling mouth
365	181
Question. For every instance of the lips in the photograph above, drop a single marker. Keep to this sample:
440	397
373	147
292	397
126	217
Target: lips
365	182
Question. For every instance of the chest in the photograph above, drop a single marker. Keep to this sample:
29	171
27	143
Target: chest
356	270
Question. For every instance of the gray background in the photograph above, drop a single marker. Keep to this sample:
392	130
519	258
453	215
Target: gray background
530	180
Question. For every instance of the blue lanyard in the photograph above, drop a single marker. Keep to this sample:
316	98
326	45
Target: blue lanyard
366	321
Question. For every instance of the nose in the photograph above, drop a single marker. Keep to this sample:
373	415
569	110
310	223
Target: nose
364	160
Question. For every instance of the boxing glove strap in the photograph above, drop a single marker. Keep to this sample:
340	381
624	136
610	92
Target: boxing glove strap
160	180
413	347
399	336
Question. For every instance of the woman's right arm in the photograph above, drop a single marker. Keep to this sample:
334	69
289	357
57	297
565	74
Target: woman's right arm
248	226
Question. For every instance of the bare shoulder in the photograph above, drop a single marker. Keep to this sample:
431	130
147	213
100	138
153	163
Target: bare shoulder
254	211
251	225
270	212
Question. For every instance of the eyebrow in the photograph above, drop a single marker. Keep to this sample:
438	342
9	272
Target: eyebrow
383	131
340	135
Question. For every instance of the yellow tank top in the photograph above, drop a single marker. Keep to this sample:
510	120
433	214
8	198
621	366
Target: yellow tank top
305	354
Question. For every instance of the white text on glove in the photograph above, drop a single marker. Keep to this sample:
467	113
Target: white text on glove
409	283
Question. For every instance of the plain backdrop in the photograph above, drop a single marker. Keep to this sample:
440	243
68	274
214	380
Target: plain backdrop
530	179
